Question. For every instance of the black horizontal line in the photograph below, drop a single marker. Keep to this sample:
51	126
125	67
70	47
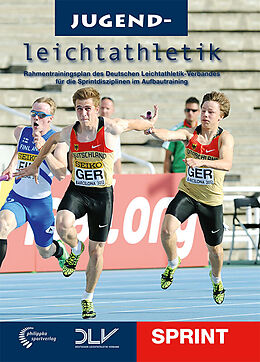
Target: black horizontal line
240	89
208	51
224	70
223	31
223	12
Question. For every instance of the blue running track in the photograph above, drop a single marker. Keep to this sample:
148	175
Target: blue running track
132	295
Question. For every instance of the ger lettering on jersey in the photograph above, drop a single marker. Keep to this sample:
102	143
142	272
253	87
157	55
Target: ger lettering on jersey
92	161
202	183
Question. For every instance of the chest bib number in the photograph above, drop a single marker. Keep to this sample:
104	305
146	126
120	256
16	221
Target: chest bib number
200	176
89	174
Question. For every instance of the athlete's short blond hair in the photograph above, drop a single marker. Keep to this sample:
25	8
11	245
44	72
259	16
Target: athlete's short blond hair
221	99
86	93
49	101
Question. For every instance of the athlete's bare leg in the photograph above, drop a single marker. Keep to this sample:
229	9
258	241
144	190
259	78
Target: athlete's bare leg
168	235
65	227
95	264
7	223
216	259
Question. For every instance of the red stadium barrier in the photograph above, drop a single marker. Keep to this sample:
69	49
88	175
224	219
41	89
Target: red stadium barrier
134	238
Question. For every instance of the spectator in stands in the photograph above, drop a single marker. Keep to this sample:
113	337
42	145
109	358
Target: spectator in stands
175	151
208	154
92	140
28	201
107	109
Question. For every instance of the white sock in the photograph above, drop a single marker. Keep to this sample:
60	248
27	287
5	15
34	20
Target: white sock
173	263
88	296
216	280
77	249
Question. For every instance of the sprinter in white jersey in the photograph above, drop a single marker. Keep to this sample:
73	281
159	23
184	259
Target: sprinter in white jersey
29	201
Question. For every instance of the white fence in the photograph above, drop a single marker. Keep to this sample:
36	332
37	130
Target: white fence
236	192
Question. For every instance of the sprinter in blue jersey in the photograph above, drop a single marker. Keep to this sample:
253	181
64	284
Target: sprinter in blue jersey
29	201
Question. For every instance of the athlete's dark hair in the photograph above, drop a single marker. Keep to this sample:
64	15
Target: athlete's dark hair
110	99
192	100
221	99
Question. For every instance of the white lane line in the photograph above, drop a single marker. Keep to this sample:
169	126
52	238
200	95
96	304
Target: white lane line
42	306
184	307
142	310
169	300
42	317
130	293
145	278
183	273
174	320
177	285
188	319
41	297
215	316
120	301
126	301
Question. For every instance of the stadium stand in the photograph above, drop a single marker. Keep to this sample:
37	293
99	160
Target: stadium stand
233	26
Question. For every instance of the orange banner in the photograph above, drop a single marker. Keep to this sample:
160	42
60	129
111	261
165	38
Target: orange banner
134	238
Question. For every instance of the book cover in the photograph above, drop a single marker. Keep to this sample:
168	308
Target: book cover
139	53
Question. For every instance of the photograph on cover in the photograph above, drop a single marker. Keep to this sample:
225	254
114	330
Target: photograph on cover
162	113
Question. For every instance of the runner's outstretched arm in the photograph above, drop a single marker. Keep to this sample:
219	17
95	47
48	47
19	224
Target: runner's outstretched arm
117	126
167	135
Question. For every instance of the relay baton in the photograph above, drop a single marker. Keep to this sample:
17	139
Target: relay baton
148	114
4	178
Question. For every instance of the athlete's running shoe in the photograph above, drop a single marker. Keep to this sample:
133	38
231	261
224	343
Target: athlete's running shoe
71	263
167	276
65	254
218	290
87	309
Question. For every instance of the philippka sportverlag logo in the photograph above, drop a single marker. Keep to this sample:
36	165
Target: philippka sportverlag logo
146	17
28	336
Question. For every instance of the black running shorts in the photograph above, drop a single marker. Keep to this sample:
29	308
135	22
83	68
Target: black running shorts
210	217
96	202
